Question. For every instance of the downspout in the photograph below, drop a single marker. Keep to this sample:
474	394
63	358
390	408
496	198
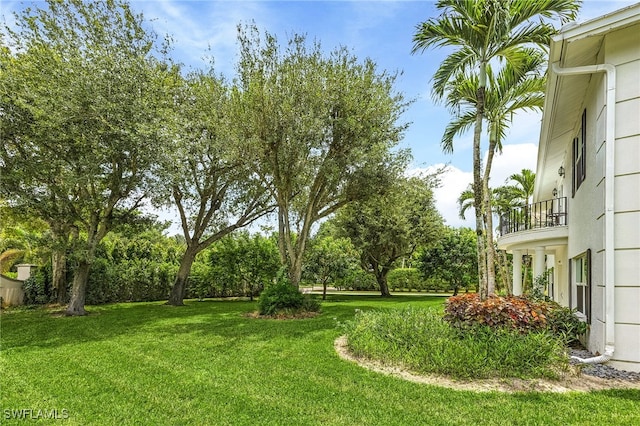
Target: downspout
609	220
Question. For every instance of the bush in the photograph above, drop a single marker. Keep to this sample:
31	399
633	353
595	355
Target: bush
516	313
405	278
563	322
420	340
134	280
37	287
283	298
358	280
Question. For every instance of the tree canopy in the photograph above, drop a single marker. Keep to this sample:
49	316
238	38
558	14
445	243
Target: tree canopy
79	130
388	227
452	259
319	128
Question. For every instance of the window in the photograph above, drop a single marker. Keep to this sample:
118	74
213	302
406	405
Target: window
580	154
582	284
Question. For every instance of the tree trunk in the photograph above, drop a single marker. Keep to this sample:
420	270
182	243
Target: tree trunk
381	278
79	289
59	275
477	184
525	272
491	253
488	215
480	235
295	273
324	290
250	286
179	288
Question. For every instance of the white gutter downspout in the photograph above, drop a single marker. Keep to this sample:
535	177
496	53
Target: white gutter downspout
609	220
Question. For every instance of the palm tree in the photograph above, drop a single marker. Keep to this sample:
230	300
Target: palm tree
465	201
511	90
507	197
525	182
503	205
483	31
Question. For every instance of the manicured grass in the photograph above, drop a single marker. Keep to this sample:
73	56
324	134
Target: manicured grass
207	364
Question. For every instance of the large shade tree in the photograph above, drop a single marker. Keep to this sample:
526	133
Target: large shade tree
319	128
208	181
79	87
483	32
389	227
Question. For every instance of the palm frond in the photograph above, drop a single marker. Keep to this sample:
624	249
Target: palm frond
459	125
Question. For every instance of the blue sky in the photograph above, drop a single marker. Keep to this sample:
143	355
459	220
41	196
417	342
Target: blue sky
380	30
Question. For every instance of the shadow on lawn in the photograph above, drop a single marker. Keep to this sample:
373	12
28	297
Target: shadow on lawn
221	318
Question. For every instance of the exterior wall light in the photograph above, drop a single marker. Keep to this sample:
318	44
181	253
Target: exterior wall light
554	192
561	171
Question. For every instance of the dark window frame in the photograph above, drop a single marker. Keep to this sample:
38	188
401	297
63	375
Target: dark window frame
579	155
580	294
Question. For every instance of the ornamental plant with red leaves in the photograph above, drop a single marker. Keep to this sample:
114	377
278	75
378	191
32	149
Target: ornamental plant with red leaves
468	311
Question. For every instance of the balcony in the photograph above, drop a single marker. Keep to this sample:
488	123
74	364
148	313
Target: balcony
544	214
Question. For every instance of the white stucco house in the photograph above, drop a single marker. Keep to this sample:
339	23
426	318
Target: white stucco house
583	227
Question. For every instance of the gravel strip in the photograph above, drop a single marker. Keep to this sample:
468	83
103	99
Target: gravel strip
602	371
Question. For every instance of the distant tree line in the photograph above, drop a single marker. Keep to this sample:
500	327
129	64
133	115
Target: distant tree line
140	265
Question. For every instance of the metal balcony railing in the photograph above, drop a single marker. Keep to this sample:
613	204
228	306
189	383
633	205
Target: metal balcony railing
543	214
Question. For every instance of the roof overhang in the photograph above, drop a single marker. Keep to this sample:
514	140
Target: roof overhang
575	45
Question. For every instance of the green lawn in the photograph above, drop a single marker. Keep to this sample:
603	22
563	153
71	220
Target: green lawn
207	364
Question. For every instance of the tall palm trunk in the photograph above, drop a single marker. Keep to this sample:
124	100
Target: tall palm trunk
506	276
490	248
477	183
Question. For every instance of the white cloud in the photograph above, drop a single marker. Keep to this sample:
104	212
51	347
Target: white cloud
203	29
452	182
513	159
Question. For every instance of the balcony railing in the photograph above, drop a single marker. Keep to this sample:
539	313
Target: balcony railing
543	214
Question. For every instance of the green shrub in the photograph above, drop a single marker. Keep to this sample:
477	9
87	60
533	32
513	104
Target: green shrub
358	280
420	340
405	278
129	280
563	322
37	288
539	287
283	298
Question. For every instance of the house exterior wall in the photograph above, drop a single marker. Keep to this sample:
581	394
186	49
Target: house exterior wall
623	50
577	83
586	208
586	215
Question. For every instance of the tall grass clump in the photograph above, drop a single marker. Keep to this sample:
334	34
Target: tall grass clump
420	340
